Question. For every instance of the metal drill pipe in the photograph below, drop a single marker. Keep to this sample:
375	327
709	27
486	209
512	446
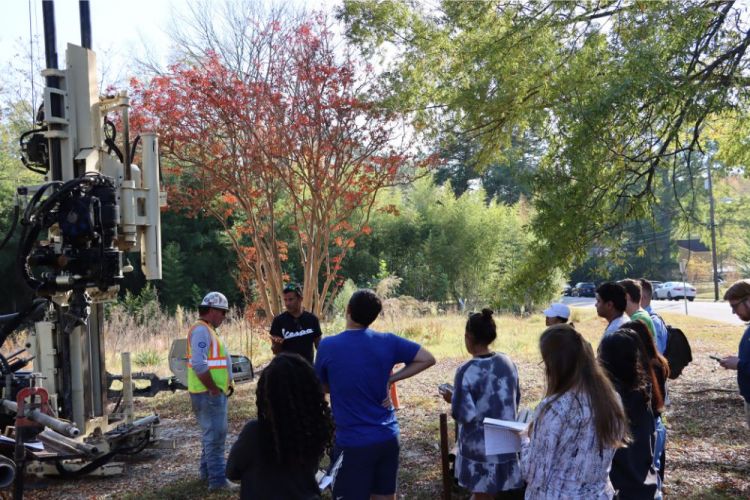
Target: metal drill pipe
85	15
50	35
50	54
59	438
57	425
142	422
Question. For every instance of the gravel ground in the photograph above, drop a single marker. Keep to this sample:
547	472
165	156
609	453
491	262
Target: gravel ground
707	448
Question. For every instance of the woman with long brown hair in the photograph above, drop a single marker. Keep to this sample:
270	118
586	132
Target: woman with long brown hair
578	425
656	365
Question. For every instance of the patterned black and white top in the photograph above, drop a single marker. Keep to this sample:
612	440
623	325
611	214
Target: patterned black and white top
563	458
485	386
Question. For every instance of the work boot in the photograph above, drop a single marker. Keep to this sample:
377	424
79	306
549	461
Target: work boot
228	485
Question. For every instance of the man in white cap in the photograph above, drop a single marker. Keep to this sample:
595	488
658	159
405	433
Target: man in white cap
556	314
209	381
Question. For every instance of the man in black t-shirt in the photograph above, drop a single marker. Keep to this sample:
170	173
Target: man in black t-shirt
295	330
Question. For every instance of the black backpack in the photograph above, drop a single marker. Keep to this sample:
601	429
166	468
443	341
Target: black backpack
678	352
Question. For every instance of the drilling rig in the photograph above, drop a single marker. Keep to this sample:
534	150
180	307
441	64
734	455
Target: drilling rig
93	207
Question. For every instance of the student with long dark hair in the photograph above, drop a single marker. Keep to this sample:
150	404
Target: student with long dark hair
633	474
485	386
657	372
277	455
578	425
657	366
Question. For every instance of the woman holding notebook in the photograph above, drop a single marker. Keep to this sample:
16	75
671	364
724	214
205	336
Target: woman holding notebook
485	386
577	426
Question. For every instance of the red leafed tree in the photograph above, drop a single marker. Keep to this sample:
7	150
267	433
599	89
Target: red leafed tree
295	143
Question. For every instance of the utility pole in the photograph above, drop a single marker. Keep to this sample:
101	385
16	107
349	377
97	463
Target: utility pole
712	225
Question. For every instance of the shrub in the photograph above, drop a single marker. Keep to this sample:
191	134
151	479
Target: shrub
143	307
147	358
413	332
387	286
407	306
342	298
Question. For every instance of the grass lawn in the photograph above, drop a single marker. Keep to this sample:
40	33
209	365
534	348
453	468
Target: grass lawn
707	448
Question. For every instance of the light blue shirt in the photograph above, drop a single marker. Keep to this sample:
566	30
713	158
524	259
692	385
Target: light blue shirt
660	329
615	324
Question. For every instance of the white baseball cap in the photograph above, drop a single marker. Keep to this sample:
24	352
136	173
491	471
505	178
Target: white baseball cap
216	300
557	310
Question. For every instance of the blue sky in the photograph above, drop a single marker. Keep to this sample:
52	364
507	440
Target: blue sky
121	30
118	26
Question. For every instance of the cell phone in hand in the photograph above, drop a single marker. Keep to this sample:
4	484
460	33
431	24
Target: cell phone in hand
717	358
443	388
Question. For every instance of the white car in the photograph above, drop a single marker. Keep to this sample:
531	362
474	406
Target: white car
675	290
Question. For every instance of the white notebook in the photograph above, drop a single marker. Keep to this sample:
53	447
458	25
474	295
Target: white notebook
326	480
502	436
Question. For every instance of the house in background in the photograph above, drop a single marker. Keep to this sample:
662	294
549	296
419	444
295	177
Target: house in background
699	268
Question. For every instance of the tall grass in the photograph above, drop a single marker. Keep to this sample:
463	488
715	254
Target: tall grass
149	338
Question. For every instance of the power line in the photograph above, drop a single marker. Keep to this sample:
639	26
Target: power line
31	64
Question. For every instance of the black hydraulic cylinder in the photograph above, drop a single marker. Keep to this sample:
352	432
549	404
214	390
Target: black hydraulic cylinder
56	104
85	15
50	35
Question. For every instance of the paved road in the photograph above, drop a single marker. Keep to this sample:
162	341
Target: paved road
717	311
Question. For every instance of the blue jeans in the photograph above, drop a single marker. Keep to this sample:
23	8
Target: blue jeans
211	412
659	447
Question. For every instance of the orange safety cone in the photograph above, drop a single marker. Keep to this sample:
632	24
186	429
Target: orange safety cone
394	397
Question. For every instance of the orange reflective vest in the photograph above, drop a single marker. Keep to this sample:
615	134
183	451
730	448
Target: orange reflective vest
218	365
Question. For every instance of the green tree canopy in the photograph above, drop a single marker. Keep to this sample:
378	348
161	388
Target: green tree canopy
446	248
616	92
15	118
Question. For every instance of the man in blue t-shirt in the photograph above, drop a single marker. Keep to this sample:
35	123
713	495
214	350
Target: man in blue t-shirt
355	367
